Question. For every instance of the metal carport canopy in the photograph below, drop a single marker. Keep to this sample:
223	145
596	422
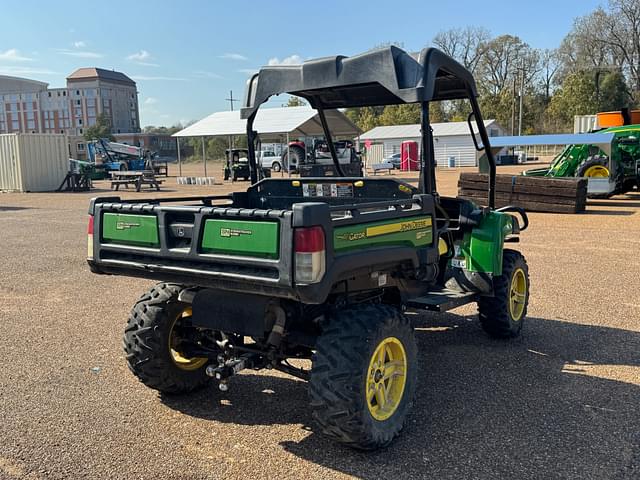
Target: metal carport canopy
602	140
273	123
557	139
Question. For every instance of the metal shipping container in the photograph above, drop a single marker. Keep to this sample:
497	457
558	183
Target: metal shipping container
32	162
584	123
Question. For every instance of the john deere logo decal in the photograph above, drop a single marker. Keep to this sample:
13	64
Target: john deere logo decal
234	232
377	230
126	225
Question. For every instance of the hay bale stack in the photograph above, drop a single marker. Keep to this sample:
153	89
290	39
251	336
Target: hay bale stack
534	194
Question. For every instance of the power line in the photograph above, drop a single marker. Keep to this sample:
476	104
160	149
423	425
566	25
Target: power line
231	99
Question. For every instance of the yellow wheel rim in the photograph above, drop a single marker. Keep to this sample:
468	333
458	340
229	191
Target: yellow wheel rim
597	171
386	378
518	294
183	363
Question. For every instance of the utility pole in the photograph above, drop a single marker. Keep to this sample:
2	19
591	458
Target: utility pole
513	109
231	99
521	95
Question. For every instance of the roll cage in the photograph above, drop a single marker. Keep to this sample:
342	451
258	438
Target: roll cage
386	76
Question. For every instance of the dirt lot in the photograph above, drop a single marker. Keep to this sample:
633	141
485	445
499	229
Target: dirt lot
560	402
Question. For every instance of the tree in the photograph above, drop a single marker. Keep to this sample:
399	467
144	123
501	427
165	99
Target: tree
584	47
295	102
613	92
576	96
101	129
549	66
467	45
365	118
162	130
403	114
622	35
504	57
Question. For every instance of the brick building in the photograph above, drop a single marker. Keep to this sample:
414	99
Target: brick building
29	106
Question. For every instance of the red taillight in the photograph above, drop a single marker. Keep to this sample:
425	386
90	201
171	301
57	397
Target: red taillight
309	240
90	238
308	244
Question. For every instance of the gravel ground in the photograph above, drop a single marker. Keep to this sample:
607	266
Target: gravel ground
562	401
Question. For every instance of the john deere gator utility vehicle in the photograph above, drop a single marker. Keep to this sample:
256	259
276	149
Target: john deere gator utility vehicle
317	269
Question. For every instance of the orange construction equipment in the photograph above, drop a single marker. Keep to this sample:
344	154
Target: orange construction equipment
617	118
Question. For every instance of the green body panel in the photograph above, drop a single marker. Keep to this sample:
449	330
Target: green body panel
482	247
138	230
235	237
625	151
411	231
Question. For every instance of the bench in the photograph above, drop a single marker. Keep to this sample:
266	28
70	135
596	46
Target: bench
378	167
134	178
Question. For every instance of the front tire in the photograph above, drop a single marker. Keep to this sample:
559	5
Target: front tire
275	166
364	376
151	342
502	315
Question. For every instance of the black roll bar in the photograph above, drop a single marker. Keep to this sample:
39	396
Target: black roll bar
426	172
251	137
486	146
327	136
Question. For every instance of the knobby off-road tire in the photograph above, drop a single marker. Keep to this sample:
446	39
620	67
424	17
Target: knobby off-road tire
342	376
148	338
502	315
298	157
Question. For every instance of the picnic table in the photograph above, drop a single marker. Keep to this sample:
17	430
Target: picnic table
378	167
138	179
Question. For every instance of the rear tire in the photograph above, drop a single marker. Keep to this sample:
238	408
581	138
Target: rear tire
149	337
364	376
276	167
298	157
502	315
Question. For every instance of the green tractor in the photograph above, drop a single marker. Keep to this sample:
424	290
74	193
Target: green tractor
617	161
312	276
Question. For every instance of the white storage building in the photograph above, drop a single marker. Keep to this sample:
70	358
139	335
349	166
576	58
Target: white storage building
33	162
450	139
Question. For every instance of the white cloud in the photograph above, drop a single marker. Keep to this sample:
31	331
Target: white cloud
154	78
13	55
203	74
234	56
290	60
151	101
79	44
79	53
140	56
26	71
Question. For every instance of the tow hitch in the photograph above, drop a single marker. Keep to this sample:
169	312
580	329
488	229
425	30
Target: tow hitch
228	367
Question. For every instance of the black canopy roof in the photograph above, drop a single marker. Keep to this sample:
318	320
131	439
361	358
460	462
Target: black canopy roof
379	77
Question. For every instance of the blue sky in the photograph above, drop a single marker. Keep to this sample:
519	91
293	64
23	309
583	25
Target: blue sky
186	55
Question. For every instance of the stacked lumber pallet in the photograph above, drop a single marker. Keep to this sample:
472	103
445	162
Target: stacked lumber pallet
534	194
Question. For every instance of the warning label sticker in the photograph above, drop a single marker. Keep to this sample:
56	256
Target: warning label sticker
335	190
